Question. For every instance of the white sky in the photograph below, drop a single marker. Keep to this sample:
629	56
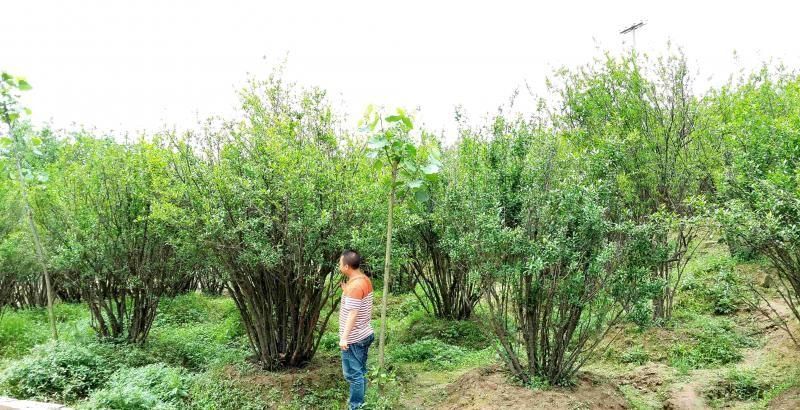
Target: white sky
148	64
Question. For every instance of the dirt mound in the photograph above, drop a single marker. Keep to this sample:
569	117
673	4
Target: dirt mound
788	400
321	374
648	378
489	388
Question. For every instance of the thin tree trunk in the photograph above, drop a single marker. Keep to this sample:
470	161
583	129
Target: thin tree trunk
386	271
36	241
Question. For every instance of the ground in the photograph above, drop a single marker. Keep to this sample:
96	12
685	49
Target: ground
702	358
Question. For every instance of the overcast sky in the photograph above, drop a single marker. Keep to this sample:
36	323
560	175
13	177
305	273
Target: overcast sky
148	64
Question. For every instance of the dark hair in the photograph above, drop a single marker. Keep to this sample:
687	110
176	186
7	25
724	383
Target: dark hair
351	258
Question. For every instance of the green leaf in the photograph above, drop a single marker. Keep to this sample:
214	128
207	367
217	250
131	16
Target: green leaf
36	141
411	150
409	166
393	118
421	195
407	122
430	169
23	85
415	183
377	143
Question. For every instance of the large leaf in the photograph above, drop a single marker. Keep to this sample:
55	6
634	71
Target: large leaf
415	183
377	142
430	169
23	85
411	150
407	121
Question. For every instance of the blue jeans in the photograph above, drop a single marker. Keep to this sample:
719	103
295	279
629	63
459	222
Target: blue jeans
354	367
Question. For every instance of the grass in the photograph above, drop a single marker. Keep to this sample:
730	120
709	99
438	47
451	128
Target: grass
198	348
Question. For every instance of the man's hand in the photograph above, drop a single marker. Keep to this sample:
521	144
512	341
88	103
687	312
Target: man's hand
342	344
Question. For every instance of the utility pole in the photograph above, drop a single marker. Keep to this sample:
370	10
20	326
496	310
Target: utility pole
632	29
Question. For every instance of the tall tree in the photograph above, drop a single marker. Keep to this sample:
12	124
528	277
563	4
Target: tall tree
10	112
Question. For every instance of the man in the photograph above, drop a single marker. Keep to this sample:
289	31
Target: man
355	331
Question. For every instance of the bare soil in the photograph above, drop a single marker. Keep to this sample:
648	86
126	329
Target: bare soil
687	397
788	400
490	388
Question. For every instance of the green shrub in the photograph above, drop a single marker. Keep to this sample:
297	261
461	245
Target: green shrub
329	342
19	333
58	371
21	330
713	343
433	352
120	355
724	294
641	314
739	385
197	347
400	306
635	355
211	390
322	399
153	386
464	333
184	309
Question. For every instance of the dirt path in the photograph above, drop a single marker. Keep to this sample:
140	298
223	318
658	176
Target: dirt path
688	397
7	403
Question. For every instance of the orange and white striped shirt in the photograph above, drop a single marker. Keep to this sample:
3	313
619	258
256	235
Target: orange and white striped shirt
362	327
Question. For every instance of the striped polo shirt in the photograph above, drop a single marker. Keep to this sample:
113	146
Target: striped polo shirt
362	328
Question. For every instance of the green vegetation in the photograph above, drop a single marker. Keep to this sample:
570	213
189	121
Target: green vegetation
740	385
627	226
708	343
57	371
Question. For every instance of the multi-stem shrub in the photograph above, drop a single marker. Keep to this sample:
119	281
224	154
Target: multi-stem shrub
639	119
759	121
115	231
276	198
558	273
435	256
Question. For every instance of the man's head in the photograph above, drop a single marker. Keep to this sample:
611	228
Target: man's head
349	262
